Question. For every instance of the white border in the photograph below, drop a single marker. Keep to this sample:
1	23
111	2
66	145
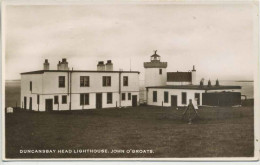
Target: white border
186	2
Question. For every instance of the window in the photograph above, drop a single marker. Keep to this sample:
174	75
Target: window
84	99
123	96
129	96
125	81
106	81
160	71
154	96
64	99
30	85
56	99
38	99
166	97
109	98
184	97
61	81
84	81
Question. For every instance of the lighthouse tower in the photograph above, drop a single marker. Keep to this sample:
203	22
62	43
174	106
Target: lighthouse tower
155	71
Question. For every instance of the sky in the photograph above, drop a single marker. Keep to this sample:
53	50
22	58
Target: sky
217	39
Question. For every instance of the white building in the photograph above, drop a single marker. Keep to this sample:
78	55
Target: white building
65	89
177	88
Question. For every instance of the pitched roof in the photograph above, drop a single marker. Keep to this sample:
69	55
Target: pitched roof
196	87
178	76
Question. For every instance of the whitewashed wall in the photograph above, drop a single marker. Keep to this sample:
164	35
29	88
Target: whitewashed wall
126	102
153	78
47	86
50	83
178	92
25	89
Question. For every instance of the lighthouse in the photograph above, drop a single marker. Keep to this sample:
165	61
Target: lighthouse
155	71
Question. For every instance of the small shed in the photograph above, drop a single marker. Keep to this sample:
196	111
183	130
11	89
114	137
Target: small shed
9	110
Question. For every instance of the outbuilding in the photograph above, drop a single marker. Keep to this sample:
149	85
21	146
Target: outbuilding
178	95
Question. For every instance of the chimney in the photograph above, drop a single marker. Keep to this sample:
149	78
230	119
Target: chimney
46	65
193	76
63	65
201	82
109	65
101	66
217	82
193	69
209	83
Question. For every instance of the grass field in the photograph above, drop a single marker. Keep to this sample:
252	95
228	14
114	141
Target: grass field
220	132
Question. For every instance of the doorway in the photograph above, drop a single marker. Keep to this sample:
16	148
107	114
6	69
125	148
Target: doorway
25	102
30	103
134	100
99	100
49	104
173	100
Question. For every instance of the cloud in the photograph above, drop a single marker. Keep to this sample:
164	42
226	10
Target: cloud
217	39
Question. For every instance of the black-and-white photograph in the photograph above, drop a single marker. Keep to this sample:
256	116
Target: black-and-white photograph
137	81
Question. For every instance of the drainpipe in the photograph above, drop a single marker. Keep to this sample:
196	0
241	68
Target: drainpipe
119	88
146	93
68	89
68	83
70	86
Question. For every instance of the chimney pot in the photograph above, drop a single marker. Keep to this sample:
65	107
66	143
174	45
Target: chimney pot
209	83
101	66
100	62
193	69
217	82
109	65
63	65
46	65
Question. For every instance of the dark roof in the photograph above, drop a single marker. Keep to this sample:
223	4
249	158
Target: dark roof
155	55
42	71
155	64
178	76
195	87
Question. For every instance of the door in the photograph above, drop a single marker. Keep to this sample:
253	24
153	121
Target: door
197	96
25	102
99	100
173	100
30	103
134	100
49	104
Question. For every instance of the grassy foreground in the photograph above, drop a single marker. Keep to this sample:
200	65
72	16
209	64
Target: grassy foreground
220	132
